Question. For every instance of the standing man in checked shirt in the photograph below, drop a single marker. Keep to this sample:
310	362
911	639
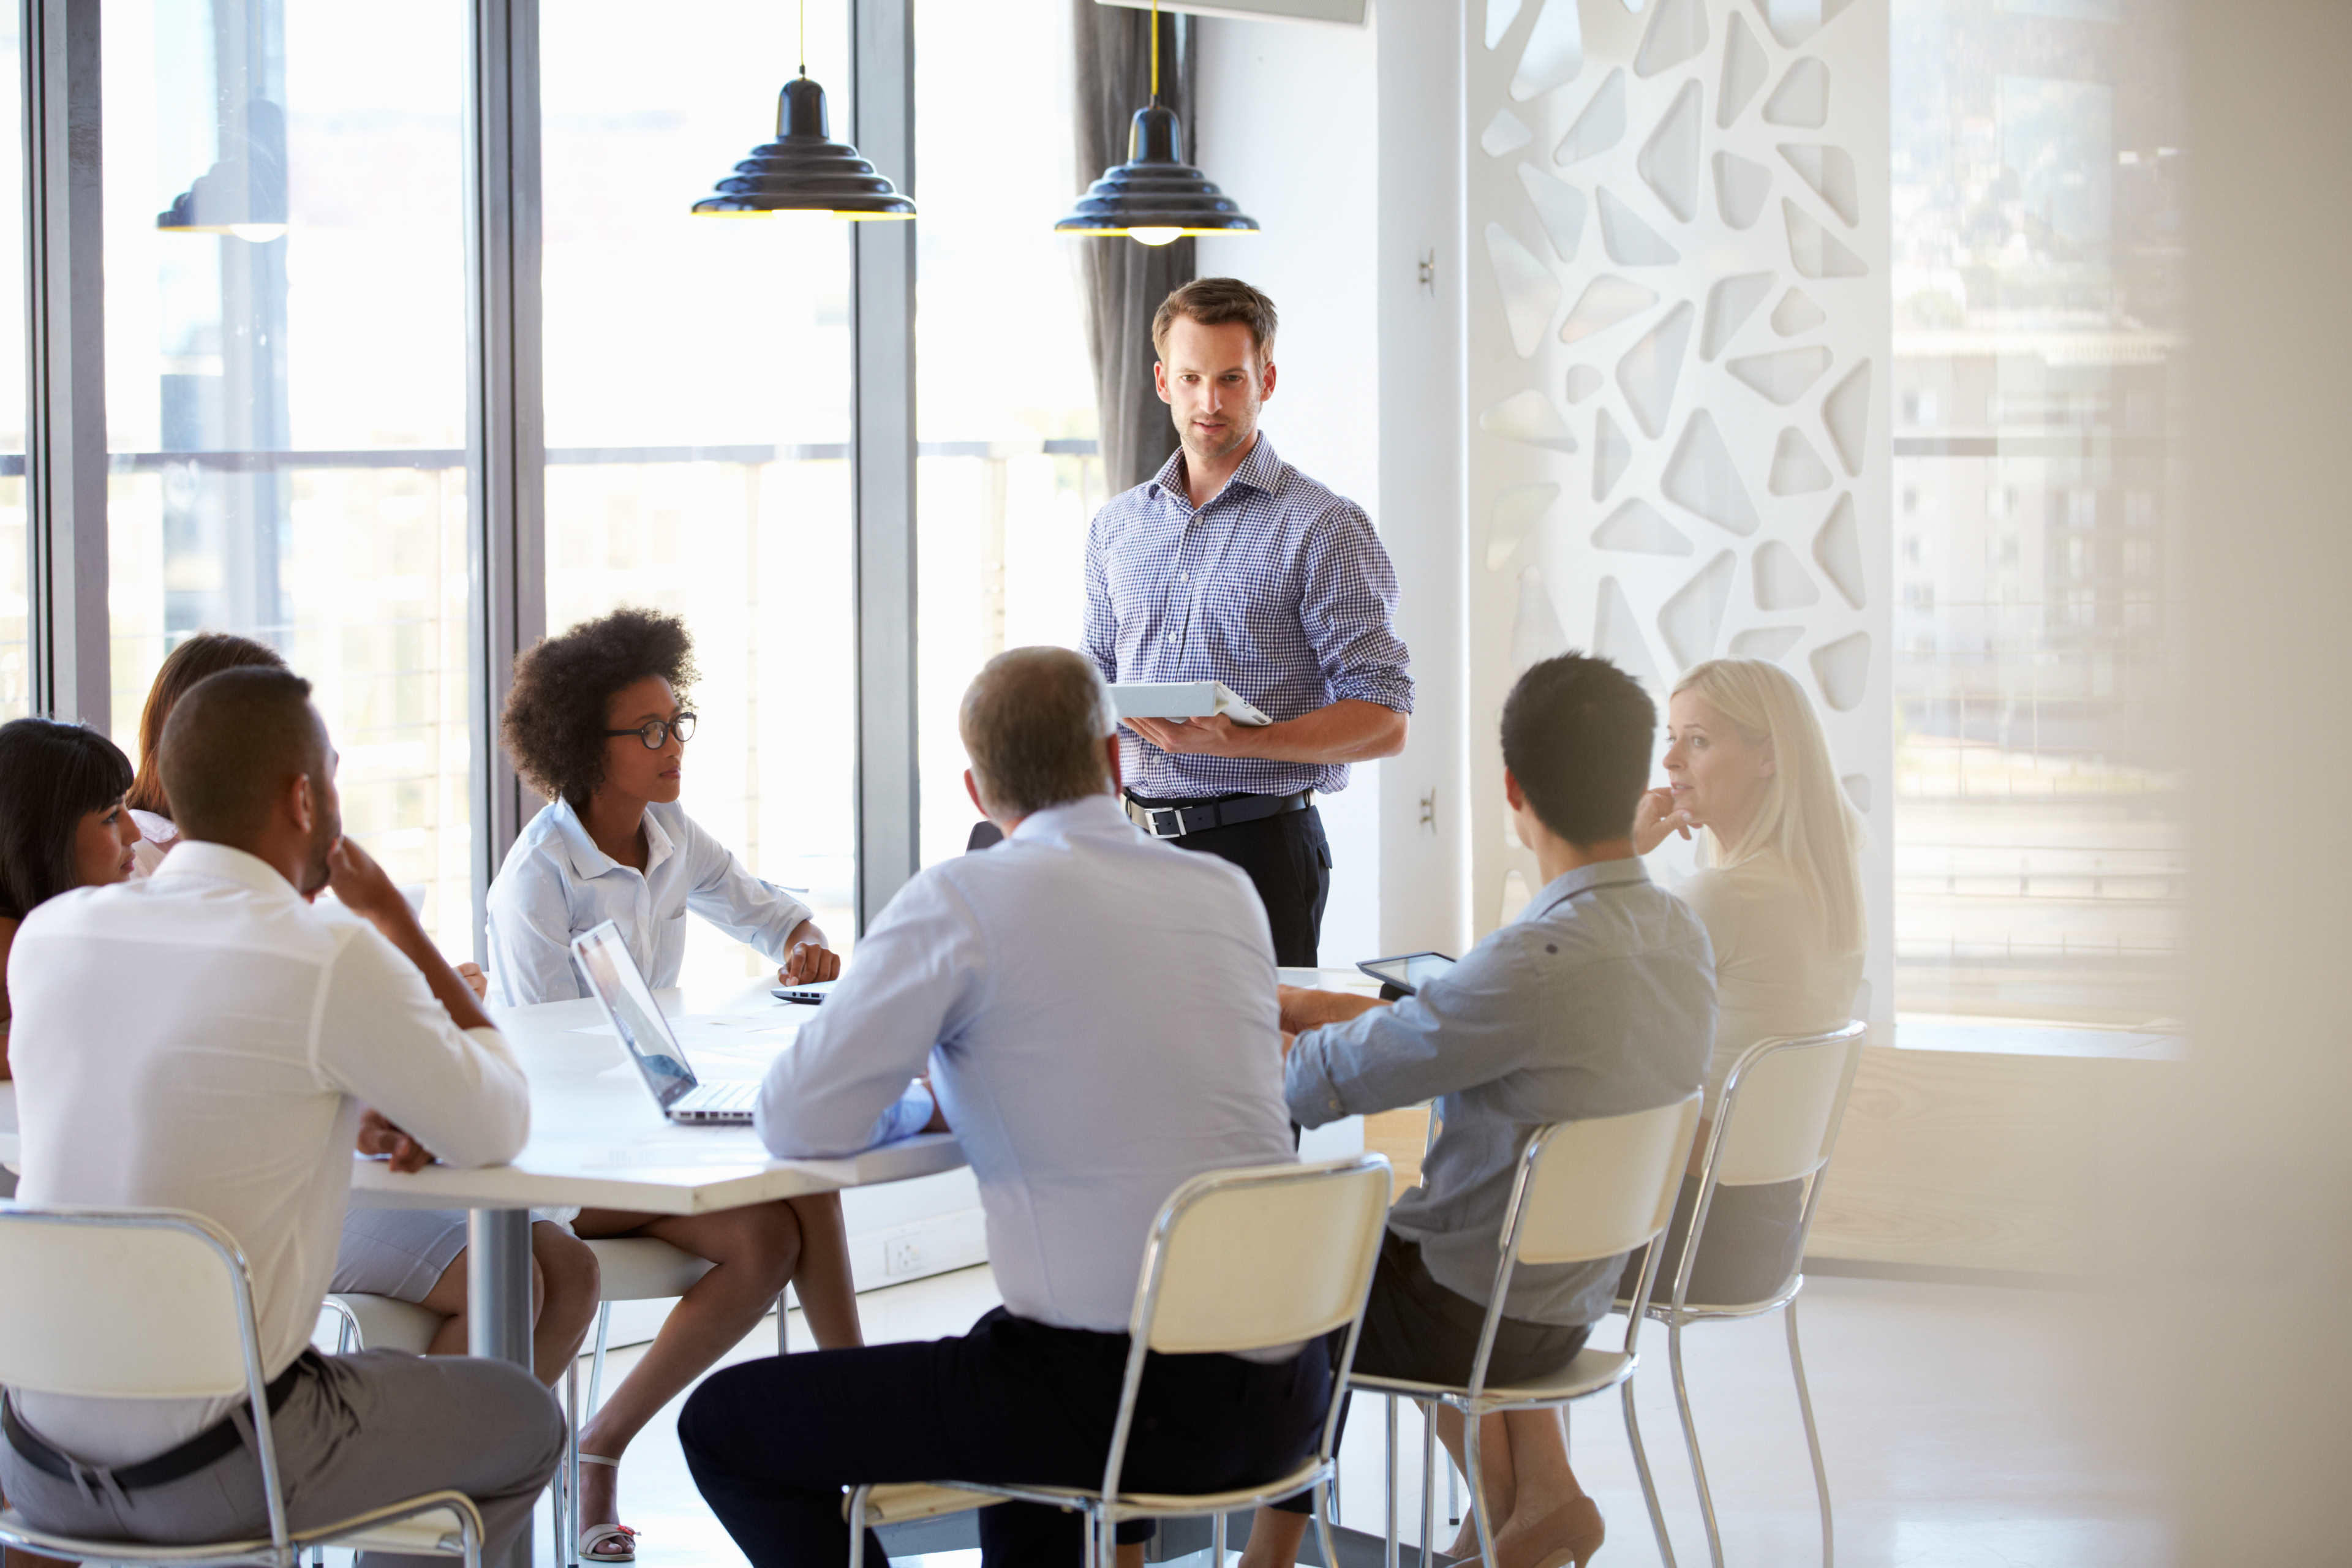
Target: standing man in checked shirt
1229	564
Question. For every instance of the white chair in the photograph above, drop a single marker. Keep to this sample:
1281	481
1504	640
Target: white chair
158	1304
1242	1259
1777	1121
1585	1191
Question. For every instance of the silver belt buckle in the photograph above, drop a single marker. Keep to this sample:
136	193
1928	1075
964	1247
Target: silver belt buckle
1148	817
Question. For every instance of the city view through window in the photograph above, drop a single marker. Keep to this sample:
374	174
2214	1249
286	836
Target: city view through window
2038	165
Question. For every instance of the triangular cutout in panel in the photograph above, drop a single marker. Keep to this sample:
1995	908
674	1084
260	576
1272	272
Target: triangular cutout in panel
1602	125
1504	134
1606	301
1781	581
1617	636
1690	620
1669	160
1838	549
1536	633
1701	478
1555	52
1500	15
1729	305
1528	417
1784	375
1842	668
1813	250
1677	33
1802	99
1744	70
1560	207
1583	381
1765	642
1791	21
1630	241
1637	526
1796	313
1797	470
1740	189
1651	368
1530	292
1829	171
1516	510
1846	412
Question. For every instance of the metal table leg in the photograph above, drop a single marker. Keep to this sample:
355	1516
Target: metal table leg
497	1317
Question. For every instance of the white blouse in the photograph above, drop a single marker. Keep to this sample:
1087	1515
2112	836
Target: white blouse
1774	974
156	836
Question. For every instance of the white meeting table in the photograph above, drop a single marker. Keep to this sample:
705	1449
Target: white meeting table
598	1141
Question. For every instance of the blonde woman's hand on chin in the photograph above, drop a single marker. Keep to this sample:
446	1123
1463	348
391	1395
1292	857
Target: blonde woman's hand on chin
1655	816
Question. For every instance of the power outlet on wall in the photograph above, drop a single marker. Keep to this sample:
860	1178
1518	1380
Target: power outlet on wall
903	1254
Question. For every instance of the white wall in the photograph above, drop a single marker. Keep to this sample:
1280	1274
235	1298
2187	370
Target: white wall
1345	144
1285	124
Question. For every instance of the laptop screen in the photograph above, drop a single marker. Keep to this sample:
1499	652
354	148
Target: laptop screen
613	976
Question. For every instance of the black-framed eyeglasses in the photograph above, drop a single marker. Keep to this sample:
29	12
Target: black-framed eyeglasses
655	731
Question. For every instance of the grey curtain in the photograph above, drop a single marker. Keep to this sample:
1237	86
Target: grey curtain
1123	282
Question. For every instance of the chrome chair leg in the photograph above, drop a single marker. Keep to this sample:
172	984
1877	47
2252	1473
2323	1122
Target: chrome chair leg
567	1524
1476	1479
1812	1436
596	1367
1649	1484
1217	1539
1325	1500
1428	1480
1690	1437
1389	1537
1453	1491
858	1524
783	1327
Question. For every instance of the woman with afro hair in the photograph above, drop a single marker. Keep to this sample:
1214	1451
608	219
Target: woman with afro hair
596	722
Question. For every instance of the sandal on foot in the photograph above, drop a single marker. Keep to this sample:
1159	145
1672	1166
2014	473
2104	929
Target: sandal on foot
606	1542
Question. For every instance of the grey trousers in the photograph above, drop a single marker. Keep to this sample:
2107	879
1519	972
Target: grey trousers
357	1432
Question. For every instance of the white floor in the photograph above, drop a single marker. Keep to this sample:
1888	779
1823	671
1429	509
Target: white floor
1953	1419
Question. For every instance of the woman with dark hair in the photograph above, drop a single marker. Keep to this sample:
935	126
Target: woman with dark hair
206	653
62	821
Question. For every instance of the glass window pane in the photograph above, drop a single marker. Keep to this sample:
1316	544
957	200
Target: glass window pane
1008	473
285	384
698	379
2039	842
16	666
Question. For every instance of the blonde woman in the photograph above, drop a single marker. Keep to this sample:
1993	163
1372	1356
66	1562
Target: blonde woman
1779	889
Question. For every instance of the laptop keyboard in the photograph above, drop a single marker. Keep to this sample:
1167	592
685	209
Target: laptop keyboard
737	1096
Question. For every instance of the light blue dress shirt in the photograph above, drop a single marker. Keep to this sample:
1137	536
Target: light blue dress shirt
1098	1011
556	884
1599	1000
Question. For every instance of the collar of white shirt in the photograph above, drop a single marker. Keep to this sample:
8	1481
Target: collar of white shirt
588	861
201	857
1089	814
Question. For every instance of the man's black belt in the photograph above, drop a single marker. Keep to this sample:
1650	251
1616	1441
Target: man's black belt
1174	819
214	1442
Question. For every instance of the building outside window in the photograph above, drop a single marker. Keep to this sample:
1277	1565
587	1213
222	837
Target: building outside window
286	387
2038	167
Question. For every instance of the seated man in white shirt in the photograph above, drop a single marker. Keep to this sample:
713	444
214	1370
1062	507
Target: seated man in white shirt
205	1039
1099	1013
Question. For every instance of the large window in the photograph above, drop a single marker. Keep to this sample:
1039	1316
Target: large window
1006	413
286	374
699	377
2038	167
16	667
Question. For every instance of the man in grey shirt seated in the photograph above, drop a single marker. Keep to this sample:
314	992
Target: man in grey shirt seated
1599	1000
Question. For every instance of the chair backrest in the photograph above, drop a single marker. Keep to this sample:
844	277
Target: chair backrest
1602	1186
1780	1104
1270	1255
136	1303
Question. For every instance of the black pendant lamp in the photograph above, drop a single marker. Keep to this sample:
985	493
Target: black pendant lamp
1155	198
803	170
243	194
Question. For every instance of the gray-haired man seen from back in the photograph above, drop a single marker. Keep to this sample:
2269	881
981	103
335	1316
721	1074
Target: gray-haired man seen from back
205	1039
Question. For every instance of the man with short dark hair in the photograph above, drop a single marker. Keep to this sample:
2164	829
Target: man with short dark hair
1598	1000
1013	975
230	1079
1229	564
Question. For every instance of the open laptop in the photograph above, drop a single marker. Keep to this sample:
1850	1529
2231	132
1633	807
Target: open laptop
605	961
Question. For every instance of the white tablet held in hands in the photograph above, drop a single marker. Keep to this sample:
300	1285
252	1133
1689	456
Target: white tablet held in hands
1183	700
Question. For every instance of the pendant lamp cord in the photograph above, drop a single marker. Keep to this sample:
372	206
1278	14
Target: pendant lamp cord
804	34
1155	50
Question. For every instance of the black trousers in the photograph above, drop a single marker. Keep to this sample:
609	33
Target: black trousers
1289	860
771	1443
1415	1328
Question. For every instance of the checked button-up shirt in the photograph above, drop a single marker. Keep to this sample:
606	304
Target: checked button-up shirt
1275	586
